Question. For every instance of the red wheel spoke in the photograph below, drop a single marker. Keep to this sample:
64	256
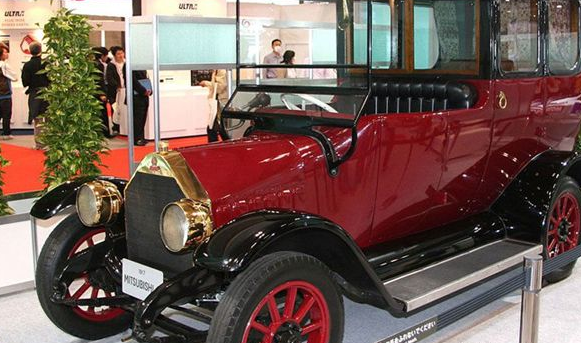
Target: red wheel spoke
552	245
562	248
260	328
81	290
563	206
273	310
304	309
89	313
289	305
311	328
568	215
552	232
554	221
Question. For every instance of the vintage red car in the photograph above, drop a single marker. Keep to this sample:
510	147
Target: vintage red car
424	146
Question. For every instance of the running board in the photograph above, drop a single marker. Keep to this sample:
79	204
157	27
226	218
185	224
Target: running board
426	285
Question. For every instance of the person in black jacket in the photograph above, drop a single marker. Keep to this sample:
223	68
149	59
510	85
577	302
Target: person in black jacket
101	64
115	81
35	82
140	104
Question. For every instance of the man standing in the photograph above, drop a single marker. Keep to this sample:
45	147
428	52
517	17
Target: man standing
141	93
101	57
34	82
116	85
7	76
275	57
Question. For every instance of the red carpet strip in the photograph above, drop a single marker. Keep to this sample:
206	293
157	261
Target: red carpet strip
26	164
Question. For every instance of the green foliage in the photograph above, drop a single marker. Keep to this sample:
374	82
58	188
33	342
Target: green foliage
73	130
4	208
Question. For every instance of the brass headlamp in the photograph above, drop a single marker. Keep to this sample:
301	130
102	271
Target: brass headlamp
185	224
98	203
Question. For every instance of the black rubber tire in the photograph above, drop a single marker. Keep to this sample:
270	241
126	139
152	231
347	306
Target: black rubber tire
265	274
566	185
50	264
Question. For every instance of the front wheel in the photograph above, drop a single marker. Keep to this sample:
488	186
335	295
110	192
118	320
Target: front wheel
563	226
281	298
67	240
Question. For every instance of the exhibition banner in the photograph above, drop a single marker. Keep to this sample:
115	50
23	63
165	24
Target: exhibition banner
109	8
25	15
187	8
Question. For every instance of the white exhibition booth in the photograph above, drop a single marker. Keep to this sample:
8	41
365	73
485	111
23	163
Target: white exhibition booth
183	108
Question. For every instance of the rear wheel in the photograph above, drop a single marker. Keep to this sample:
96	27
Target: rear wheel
563	226
281	298
67	240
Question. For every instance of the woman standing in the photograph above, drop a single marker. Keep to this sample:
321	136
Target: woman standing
218	89
289	59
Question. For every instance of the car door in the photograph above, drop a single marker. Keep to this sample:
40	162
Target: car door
410	167
518	96
560	121
465	155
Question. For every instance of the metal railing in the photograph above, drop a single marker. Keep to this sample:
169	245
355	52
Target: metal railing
531	293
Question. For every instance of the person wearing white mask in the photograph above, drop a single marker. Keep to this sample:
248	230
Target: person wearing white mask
275	57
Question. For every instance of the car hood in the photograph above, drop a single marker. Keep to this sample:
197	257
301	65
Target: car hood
263	171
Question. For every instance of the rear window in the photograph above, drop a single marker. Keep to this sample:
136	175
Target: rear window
563	35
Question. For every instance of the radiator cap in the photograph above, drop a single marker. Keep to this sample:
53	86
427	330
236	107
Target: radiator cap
163	147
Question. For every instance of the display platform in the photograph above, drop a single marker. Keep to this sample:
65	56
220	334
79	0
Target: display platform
23	320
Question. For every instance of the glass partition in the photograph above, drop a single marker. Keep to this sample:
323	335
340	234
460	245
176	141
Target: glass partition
305	41
179	41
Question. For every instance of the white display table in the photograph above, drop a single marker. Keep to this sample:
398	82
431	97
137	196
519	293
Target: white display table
183	112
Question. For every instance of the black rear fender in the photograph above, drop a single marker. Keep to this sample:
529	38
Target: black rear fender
64	195
236	245
523	206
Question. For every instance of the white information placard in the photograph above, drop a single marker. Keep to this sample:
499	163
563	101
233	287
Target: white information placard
139	280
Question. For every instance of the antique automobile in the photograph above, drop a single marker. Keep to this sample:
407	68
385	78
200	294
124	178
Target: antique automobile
423	147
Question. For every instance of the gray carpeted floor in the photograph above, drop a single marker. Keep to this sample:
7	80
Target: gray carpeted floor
22	320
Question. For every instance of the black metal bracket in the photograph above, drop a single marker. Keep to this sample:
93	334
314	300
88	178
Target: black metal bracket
116	301
187	285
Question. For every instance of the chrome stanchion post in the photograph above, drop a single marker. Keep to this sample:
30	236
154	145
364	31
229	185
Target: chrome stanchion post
34	241
529	321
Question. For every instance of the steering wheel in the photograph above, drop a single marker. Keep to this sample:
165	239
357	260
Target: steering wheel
308	98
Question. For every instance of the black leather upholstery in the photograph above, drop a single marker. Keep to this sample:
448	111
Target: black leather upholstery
393	96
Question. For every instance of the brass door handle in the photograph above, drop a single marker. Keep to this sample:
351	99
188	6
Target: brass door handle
502	100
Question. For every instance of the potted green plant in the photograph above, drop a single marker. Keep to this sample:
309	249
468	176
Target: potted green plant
4	208
72	133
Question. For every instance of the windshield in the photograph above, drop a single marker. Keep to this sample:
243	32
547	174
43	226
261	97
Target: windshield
301	58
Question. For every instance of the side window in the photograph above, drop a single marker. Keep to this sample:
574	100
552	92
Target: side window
388	26
445	35
563	35
518	35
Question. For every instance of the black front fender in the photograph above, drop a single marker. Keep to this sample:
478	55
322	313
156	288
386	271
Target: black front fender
237	244
65	195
